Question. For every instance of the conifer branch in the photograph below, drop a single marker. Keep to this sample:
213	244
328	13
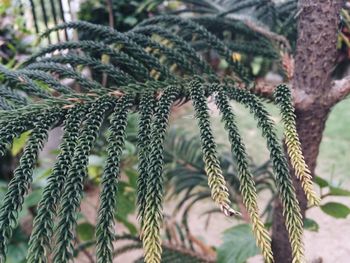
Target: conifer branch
153	214
116	139
73	189
291	209
40	239
247	184
146	110
302	172
147	74
216	179
19	185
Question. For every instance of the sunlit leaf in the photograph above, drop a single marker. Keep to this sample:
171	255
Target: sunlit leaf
19	143
336	210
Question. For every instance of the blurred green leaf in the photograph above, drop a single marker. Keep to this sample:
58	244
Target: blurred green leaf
336	191
86	231
3	186
126	201
41	173
321	182
19	143
4	5
132	177
11	62
130	20
126	205
129	149
96	160
33	198
257	65
239	245
17	248
148	5
95	168
336	210
223	64
95	172
17	253
311	225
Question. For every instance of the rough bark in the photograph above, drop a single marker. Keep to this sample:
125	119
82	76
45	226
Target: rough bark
312	83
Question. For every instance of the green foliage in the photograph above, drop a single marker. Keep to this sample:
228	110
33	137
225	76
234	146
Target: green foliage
216	180
278	16
148	70
85	231
125	13
238	245
154	196
15	41
73	190
126	197
184	168
110	180
336	210
19	143
302	172
311	225
147	105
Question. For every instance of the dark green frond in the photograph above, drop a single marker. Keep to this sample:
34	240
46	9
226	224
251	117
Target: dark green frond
121	59
160	63
153	214
247	184
66	72
179	44
284	183
73	188
19	185
40	240
119	76
211	40
109	36
12	96
147	104
47	79
283	98
216	180
105	224
22	82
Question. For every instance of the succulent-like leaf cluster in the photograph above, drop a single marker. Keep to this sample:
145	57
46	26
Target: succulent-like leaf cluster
283	99
148	70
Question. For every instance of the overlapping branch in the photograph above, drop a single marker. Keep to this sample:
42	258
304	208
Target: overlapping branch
147	75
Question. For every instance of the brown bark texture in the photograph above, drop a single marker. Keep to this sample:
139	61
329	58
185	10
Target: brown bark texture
312	83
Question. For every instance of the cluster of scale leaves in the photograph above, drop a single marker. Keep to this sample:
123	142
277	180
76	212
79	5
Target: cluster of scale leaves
148	69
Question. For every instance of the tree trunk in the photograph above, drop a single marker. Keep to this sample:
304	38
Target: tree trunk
314	62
